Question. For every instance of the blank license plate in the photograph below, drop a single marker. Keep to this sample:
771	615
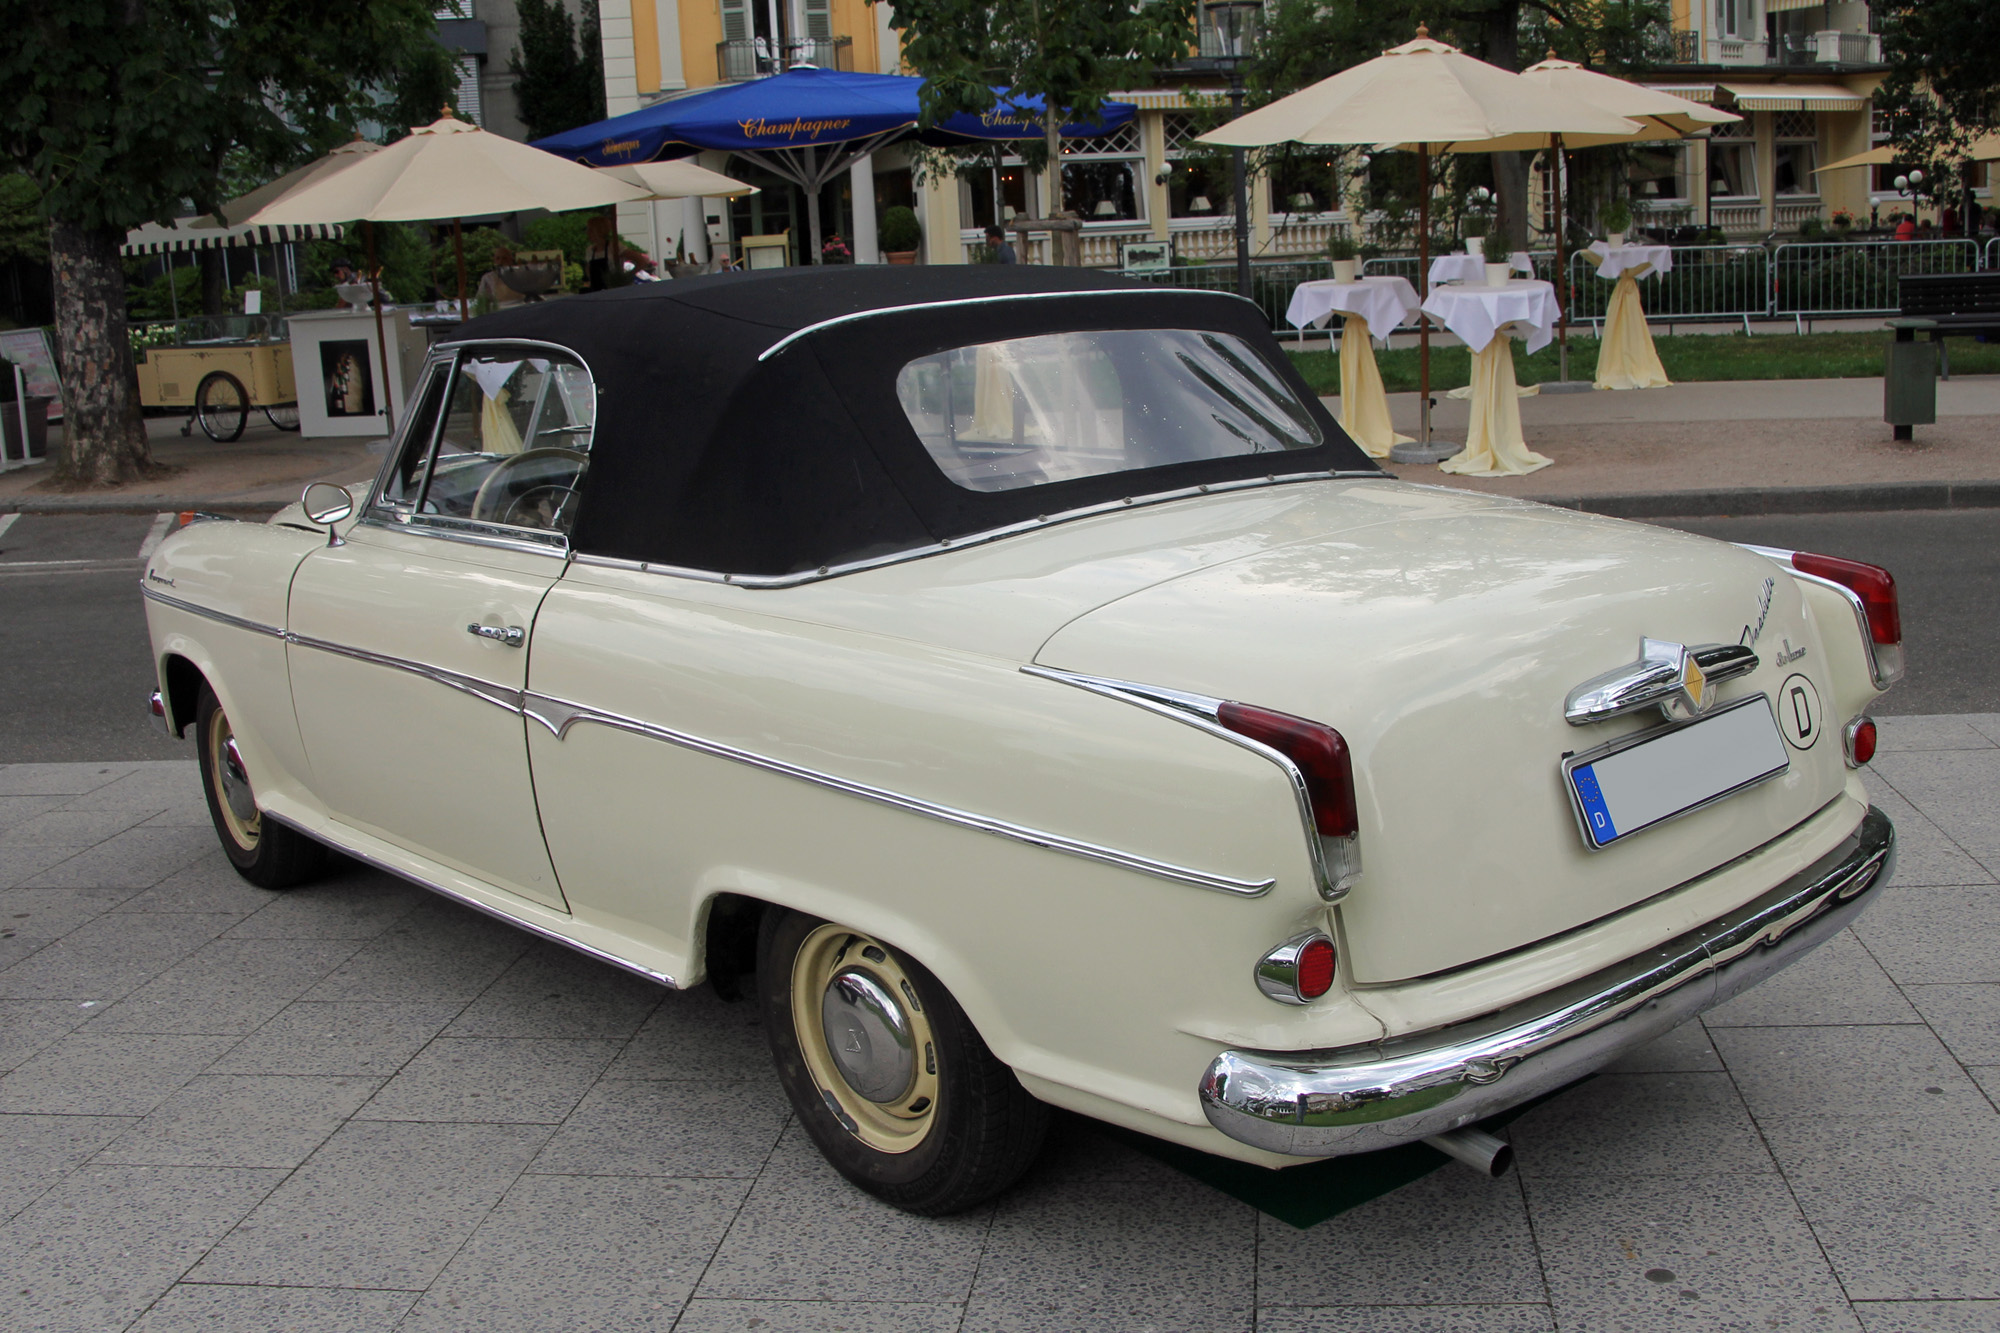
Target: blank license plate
1631	785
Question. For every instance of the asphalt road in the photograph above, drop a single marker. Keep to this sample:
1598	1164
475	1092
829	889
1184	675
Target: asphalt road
77	671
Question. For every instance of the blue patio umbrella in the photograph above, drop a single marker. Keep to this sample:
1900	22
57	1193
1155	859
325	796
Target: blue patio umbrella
806	125
1021	118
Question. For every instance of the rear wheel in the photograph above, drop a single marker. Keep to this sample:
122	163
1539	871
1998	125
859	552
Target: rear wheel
221	406
285	416
269	855
886	1072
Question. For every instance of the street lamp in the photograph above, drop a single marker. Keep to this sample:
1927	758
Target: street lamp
1233	23
1907	186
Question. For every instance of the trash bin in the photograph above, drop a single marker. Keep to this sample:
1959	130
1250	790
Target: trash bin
38	428
1909	378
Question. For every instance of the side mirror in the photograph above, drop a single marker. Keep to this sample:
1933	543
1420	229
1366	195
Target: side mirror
327	504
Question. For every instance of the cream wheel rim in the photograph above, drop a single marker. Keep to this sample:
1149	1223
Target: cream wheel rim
865	1038
232	783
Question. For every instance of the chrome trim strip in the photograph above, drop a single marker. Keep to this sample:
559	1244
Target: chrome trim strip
1200	711
498	695
838	320
1573	761
1882	678
1360	1098
973	539
220	617
464	900
1656	680
559	715
428	525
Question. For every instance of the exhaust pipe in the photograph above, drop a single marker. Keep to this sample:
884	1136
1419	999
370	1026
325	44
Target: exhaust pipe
1477	1149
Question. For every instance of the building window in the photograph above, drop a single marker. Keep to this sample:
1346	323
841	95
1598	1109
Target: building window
1656	172
1016	193
1796	153
1102	178
1199	188
1305	182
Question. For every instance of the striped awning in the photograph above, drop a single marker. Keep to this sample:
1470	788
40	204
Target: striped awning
1794	97
1779	6
1693	92
1156	99
200	233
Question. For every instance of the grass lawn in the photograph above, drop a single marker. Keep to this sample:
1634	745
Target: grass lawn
1687	356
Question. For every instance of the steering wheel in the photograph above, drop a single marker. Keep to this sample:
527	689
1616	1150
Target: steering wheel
492	495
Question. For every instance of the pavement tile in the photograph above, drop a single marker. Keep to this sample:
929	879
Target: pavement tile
1966	1019
584	1255
194	1307
438	952
313	1037
183	814
148	788
109	956
1688	1124
1924	855
1933	935
1685	1050
30	1026
357	904
52	913
1988	1079
1958	791
58	779
1080	1149
1700	1253
74	829
378	1205
36	1151
138	858
1928	1316
706	1316
551	991
1117	1255
89	1074
1839	982
100	1247
493	1080
1451	1238
17	810
632	1128
241	1120
227	985
1987	724
695	1035
1406	1319
208	884
18	864
1893	735
1846	1073
796	1239
1906	1207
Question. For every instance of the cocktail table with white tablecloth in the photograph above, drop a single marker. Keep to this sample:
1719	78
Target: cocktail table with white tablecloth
1472	268
1371	304
1626	358
1483	317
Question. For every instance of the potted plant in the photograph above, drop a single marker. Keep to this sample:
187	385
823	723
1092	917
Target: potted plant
11	410
1494	246
1342	250
1617	221
1842	222
900	235
834	251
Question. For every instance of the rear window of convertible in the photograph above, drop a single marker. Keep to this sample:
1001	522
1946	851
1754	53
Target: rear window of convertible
1001	416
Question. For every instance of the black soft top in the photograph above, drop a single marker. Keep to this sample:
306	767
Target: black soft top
747	423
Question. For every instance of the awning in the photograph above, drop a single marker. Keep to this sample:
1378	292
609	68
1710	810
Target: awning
1794	97
200	233
1779	6
1694	92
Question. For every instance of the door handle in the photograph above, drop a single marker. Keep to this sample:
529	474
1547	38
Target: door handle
511	635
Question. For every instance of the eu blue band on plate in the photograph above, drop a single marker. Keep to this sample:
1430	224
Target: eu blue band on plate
1602	830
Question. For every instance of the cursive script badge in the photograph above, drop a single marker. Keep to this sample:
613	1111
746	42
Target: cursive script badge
1752	632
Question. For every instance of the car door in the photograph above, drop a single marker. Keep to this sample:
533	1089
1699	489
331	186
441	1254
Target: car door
409	640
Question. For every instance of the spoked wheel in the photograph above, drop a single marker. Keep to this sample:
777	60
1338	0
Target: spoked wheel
221	406
886	1072
269	855
285	416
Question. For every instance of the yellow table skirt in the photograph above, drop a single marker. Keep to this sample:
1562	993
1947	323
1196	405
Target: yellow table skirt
1493	443
1364	406
1626	358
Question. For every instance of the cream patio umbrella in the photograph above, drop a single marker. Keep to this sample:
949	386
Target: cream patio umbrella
1983	149
241	209
679	179
1426	95
447	169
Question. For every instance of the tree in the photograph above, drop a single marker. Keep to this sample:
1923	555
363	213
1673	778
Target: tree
1943	89
124	111
557	84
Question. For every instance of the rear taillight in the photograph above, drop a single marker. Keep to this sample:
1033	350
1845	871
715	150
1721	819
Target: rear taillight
1326	770
1874	585
1299	970
1860	741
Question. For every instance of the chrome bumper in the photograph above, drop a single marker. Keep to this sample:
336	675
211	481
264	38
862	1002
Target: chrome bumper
157	706
1362	1098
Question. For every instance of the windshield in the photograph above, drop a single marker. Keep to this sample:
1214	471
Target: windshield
1006	415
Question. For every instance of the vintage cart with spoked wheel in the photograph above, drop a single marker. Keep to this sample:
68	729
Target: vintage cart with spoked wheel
221	380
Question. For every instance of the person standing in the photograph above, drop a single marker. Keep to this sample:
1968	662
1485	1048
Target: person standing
998	251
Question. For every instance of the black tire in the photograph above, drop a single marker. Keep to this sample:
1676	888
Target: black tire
266	853
221	406
960	1132
285	416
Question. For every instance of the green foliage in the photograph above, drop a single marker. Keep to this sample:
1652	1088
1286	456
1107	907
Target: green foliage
1943	89
1617	215
1341	246
567	232
410	264
558	70
898	229
1496	247
24	232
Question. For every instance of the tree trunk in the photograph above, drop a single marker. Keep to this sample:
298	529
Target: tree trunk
214	284
104	435
1510	170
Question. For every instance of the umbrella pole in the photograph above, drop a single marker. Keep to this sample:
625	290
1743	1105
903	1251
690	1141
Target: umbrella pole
812	202
458	249
1562	271
1423	450
381	339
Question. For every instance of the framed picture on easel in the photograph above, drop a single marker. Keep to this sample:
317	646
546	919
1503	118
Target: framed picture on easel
31	350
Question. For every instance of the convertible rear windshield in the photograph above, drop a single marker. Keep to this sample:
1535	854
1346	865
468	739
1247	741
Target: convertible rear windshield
1001	416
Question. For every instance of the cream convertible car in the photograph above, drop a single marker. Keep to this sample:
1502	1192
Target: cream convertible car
1020	676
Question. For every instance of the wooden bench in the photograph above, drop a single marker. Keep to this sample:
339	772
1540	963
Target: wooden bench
1957	304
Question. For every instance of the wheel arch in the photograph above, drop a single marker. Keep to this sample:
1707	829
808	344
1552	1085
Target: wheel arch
180	685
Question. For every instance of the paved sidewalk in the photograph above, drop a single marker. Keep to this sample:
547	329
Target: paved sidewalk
358	1107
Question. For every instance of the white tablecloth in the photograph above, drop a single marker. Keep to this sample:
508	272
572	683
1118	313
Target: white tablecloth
1384	302
1475	314
1472	268
1638	260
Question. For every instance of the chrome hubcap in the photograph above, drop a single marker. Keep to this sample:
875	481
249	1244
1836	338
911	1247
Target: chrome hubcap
235	780
868	1035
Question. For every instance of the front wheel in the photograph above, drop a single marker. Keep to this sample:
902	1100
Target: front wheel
221	406
269	855
887	1073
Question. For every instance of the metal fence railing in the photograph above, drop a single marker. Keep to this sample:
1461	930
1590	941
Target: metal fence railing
1856	278
1707	282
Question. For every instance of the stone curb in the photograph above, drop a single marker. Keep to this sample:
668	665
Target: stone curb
1868	496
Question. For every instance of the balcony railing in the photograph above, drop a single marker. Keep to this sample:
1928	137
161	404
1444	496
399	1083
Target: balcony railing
1787	49
754	57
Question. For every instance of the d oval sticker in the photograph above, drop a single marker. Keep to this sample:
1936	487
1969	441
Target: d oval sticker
1798	712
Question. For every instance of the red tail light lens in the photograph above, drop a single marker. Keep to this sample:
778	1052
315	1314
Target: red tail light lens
1319	752
1860	741
1874	585
1316	962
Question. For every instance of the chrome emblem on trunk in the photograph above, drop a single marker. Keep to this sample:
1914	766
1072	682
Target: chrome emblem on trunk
1678	680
